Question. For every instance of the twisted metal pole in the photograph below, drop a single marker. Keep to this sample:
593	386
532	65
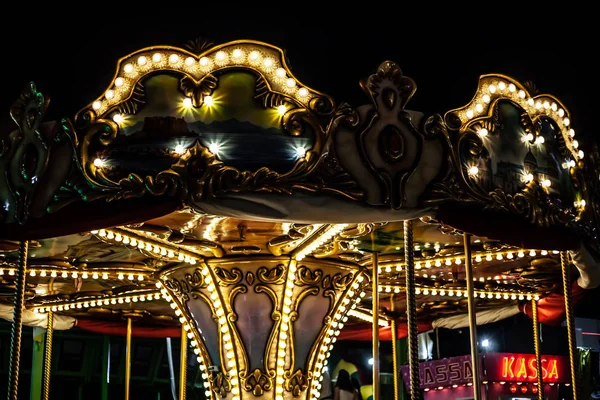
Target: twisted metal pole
536	343
472	317
566	276
411	312
183	365
375	311
48	356
17	325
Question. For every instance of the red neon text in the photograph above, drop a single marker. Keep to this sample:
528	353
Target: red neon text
525	368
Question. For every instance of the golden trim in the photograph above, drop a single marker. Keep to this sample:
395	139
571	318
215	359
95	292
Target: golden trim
538	106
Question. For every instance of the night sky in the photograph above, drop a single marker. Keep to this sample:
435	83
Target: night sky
72	58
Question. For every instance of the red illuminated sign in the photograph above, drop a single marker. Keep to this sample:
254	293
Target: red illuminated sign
522	368
525	368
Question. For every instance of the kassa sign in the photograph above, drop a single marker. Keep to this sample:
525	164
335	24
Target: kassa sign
511	367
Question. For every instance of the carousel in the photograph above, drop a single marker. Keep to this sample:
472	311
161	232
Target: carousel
209	194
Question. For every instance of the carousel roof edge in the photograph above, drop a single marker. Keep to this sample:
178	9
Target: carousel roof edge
508	151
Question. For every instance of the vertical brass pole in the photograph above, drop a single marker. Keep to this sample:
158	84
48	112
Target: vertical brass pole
375	310
472	317
566	276
17	325
536	343
128	359
48	356
411	312
183	365
395	365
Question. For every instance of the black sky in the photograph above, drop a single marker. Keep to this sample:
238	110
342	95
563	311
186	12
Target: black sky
72	59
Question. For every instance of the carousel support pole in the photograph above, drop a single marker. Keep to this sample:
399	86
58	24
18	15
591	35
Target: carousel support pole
37	363
472	318
395	365
105	368
375	310
566	276
48	356
128	359
536	343
411	312
17	325
183	365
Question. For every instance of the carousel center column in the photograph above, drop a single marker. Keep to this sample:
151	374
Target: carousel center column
264	325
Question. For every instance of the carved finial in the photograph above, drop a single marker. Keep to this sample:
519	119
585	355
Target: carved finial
198	45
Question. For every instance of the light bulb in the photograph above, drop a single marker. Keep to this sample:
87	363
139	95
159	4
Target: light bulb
187	102
281	109
209	101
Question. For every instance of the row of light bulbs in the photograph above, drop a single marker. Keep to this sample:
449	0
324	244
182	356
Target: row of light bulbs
99	302
187	327
367	317
454	386
152	247
492	88
349	302
265	60
282	341
320	240
66	274
425	291
460	259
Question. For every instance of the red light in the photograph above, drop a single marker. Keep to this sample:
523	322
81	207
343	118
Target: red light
534	389
513	389
524	389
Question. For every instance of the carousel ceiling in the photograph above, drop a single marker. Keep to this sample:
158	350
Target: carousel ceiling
209	187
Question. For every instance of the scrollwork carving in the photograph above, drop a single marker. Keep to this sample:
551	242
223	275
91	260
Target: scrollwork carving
308	277
275	275
297	383
228	277
35	160
198	90
257	382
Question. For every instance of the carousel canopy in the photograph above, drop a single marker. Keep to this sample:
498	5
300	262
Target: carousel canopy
208	186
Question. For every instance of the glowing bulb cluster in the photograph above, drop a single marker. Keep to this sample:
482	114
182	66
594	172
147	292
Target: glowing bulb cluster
347	303
492	87
460	259
151	246
56	272
484	294
266	60
97	301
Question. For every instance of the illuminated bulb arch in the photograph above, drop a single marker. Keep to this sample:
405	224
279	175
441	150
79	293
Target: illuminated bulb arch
494	87
267	60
